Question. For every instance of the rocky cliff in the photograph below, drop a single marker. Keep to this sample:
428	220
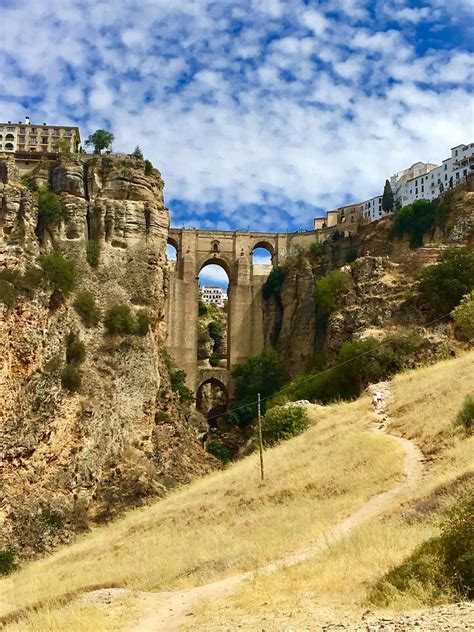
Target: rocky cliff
71	458
384	285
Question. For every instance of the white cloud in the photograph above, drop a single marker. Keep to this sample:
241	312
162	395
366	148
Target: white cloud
298	110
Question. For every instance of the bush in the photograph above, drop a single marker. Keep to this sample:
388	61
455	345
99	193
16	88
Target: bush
143	323
351	255
316	248
463	316
329	289
274	282
445	283
60	272
215	330
283	422
75	349
465	417
203	308
148	168
444	565
7	562
359	363
8	294
219	451
336	235
71	378
178	385
264	374
87	309
415	220
93	252
214	359
50	207
119	320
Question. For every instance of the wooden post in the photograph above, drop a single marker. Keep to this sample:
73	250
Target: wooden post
260	440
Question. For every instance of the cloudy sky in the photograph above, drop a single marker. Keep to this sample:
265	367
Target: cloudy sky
259	113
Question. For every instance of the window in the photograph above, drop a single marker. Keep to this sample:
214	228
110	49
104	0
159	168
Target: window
456	152
445	167
44	140
55	132
33	130
422	189
446	177
68	132
9	146
10	129
464	173
9	137
457	175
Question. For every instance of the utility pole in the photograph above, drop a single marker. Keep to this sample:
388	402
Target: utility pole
260	440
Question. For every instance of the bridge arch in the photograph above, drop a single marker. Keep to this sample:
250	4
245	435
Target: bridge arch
211	404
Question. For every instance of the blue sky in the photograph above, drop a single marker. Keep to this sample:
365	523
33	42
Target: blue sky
260	114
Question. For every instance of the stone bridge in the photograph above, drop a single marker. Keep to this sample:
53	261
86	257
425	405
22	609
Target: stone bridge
232	250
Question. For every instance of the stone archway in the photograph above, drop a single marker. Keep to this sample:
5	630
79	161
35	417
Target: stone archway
212	400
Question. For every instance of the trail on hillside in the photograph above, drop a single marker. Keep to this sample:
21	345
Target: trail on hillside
169	609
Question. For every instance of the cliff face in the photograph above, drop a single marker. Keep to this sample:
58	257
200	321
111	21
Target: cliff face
68	459
383	286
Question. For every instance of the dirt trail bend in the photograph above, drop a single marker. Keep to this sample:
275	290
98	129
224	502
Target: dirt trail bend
169	609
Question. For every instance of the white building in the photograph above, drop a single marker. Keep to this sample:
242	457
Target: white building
399	180
213	294
373	209
429	184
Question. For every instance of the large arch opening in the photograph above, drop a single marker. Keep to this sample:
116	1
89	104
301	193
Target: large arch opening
213	315
212	400
262	255
172	250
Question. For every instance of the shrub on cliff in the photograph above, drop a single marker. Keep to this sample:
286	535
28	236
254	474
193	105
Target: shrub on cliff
75	349
60	272
445	283
119	320
329	289
143	323
71	378
148	168
50	206
93	252
87	309
8	294
414	220
283	422
220	452
463	316
274	282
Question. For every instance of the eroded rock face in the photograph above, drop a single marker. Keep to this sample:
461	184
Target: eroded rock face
68	459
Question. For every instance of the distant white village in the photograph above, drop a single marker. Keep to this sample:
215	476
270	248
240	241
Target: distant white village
213	294
423	180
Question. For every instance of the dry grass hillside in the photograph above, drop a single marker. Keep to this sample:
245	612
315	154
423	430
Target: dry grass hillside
230	522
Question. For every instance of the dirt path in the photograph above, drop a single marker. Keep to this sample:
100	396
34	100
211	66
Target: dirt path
169	609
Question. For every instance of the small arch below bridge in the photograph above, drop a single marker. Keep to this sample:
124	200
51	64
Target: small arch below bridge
212	400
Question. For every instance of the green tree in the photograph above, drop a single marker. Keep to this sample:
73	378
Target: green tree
463	316
137	153
415	220
283	422
148	168
50	206
445	283
87	309
264	374
274	282
119	320
329	289
387	198
60	272
99	140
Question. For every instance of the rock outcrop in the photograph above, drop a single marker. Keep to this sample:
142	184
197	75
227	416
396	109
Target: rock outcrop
71	458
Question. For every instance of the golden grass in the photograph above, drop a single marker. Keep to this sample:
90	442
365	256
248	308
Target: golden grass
229	522
426	403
